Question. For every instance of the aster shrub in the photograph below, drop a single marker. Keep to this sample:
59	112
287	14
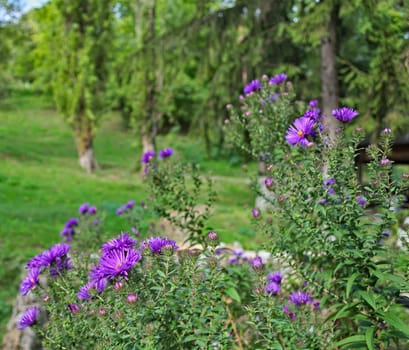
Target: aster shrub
258	124
328	230
180	194
133	294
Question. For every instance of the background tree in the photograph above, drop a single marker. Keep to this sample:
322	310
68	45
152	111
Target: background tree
75	38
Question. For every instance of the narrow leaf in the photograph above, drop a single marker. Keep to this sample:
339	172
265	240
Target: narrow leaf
369	338
232	293
350	283
359	338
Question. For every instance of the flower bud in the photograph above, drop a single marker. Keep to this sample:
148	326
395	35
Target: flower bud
213	238
102	311
268	182
255	212
118	285
132	298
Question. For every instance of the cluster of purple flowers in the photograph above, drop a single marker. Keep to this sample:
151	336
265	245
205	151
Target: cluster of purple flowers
157	245
163	154
298	299
147	157
237	257
85	209
273	285
278	79
125	207
306	126
254	85
118	257
55	259
69	229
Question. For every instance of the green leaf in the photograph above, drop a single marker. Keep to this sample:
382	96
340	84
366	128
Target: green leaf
391	319
354	339
369	337
232	293
350	282
368	298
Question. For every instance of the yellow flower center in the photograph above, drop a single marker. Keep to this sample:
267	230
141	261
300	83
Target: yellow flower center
300	133
118	266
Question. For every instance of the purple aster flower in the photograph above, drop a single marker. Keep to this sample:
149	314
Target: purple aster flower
313	103
273	97
329	182
156	244
57	259
67	233
278	79
256	263
92	210
84	291
71	222
254	85
120	210
147	156
123	241
331	191
30	282
118	262
74	308
387	131
36	262
313	114
166	153
297	133
255	212
299	298
238	253
322	201
29	318
272	288
344	114
98	279
130	204
234	260
361	201
385	161
83	209
275	277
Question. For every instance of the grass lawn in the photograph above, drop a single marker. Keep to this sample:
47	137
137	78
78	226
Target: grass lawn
41	184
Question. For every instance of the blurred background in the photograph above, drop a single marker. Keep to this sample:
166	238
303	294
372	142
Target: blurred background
86	86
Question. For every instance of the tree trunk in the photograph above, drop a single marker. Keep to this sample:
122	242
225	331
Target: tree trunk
151	116
329	74
85	149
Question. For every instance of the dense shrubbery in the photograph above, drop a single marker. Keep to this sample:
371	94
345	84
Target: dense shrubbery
333	281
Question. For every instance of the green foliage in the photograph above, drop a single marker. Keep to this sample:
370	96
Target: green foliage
323	233
176	191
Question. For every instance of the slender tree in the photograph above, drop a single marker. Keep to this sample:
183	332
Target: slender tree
75	40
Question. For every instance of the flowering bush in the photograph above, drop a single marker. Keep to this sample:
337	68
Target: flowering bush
333	282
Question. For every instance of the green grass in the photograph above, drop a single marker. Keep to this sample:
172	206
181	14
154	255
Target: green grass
41	184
